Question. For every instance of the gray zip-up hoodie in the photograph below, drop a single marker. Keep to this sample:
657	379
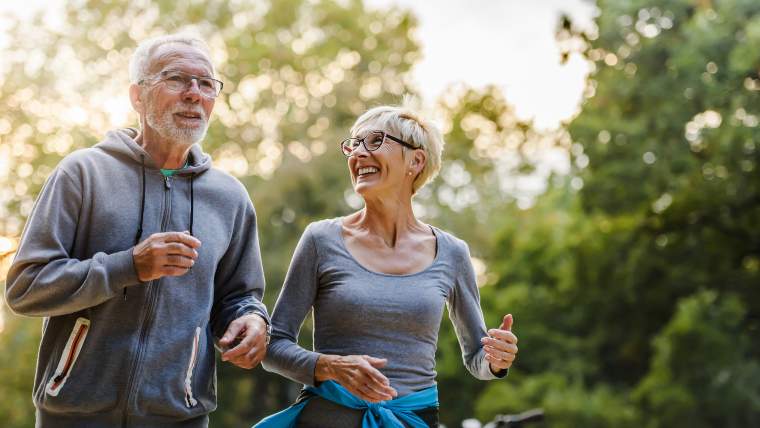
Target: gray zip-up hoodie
115	351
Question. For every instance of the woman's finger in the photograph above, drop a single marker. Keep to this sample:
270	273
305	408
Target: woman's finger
366	393
504	335
378	390
499	344
506	356
498	363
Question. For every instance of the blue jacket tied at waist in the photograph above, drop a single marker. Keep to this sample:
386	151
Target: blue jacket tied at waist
385	414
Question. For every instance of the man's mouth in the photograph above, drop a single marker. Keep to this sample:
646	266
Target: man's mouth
188	115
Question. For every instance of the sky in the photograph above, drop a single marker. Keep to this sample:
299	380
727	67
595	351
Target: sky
509	43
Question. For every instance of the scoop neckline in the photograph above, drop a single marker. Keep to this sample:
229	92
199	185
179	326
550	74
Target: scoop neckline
339	224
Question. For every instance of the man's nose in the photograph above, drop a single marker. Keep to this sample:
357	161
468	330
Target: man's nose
192	91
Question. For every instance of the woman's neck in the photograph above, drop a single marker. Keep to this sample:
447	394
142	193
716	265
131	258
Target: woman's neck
389	219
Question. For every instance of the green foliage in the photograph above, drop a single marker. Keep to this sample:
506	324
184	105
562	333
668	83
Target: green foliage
702	373
17	363
566	404
633	280
642	303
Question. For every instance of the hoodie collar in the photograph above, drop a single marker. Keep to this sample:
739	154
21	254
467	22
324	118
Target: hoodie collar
122	141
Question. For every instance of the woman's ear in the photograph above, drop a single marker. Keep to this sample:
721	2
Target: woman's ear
418	161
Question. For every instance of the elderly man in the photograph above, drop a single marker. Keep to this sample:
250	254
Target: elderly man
140	256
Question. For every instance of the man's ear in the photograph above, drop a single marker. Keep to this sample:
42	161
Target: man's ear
135	99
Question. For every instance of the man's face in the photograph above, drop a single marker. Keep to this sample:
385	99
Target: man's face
178	116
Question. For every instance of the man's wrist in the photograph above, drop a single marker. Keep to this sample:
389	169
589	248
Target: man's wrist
267	325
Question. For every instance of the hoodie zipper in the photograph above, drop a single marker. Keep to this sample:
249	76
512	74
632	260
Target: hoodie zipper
148	317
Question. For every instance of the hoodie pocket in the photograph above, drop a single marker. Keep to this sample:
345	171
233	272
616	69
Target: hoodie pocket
68	357
190	401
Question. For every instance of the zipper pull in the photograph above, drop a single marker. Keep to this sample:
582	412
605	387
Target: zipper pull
167	182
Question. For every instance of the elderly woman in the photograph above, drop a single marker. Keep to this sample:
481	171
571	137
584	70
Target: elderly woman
378	280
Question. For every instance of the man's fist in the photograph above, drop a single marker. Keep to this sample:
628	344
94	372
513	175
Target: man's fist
165	254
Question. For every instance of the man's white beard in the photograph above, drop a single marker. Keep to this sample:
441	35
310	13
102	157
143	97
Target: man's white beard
164	125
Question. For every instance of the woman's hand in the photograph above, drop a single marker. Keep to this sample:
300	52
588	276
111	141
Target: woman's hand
359	374
501	346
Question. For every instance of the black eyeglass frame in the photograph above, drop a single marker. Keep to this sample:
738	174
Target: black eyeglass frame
362	141
164	75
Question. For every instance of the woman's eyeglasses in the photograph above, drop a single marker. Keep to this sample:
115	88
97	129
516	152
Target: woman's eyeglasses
372	141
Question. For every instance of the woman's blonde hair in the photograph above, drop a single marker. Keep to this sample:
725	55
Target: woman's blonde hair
410	126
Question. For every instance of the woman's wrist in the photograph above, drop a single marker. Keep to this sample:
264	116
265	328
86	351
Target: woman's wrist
495	370
323	370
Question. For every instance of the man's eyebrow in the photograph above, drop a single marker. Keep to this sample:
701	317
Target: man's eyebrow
176	70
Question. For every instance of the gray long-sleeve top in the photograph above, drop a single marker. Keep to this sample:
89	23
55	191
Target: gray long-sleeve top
361	312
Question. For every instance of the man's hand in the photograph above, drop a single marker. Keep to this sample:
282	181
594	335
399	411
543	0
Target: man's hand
165	254
251	330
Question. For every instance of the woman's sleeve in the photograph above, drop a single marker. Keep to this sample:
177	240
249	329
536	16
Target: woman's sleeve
284	355
464	311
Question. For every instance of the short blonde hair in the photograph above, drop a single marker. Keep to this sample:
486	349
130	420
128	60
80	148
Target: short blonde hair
410	126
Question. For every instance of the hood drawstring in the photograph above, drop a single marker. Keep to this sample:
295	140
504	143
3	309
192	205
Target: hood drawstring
139	233
192	203
142	203
142	212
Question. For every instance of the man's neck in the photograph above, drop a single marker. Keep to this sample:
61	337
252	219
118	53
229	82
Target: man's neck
166	154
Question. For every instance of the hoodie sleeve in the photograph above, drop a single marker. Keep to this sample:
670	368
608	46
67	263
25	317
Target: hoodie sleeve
44	280
239	278
467	317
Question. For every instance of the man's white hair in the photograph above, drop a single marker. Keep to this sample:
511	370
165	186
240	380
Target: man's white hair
140	62
410	126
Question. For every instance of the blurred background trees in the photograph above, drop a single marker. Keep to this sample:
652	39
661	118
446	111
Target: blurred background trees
633	275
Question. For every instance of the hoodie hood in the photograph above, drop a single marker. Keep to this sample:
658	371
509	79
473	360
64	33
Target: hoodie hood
122	142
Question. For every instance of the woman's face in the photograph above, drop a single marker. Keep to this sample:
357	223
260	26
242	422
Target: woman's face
379	172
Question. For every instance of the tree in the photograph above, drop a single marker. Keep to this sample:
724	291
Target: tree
658	262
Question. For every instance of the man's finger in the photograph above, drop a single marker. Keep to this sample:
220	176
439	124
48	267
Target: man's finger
255	355
239	350
182	237
180	249
248	341
249	360
179	261
233	330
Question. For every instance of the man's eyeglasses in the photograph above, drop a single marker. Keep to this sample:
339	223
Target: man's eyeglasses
178	81
372	141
